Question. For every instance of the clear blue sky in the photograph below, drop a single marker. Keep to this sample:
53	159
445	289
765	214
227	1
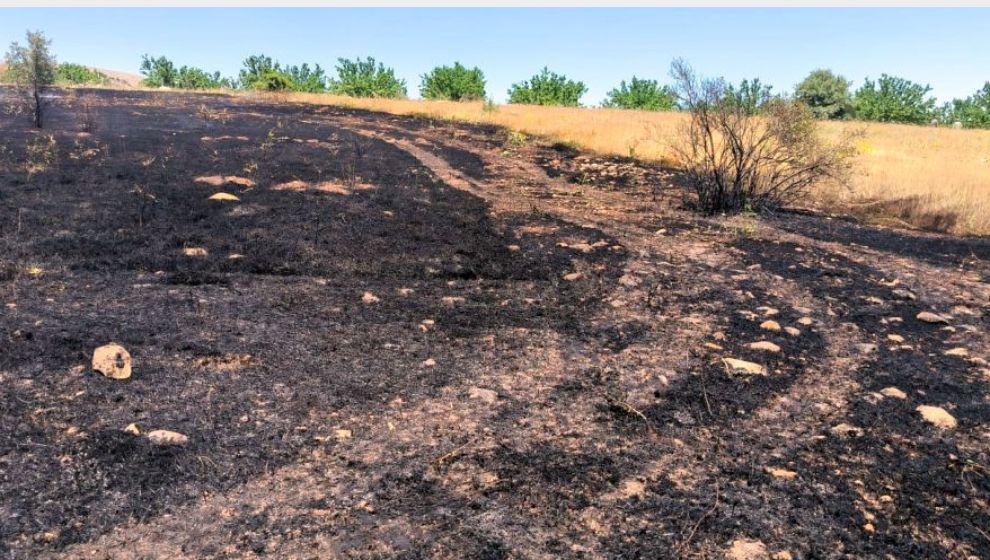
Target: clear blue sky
947	48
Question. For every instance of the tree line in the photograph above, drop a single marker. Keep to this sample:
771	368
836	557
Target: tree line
827	94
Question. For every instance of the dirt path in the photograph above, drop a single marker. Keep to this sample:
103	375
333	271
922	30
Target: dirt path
539	373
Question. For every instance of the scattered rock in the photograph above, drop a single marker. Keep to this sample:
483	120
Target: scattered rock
793	331
957	352
901	293
514	248
429	362
742	366
783	474
451	301
342	434
770	325
937	416
370	298
846	430
806	321
167	438
746	549
132	429
765	345
869	528
405	292
929	317
767	311
484	395
895	338
866	348
573	277
224	197
782	555
113	361
195	252
893	392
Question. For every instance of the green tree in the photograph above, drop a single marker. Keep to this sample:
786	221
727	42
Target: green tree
826	94
366	78
893	99
77	74
309	80
548	88
749	96
646	95
453	83
32	68
158	72
255	68
972	112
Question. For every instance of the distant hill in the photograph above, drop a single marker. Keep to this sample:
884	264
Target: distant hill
117	78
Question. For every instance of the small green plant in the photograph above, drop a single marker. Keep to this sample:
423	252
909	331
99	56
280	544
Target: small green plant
453	83
515	139
548	88
366	78
42	154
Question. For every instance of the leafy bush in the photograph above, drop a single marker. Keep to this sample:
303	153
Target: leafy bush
972	112
272	80
309	80
77	74
453	83
733	160
366	78
892	99
645	95
826	94
161	72
548	88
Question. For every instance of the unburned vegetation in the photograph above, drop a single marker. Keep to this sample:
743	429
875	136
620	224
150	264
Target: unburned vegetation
396	337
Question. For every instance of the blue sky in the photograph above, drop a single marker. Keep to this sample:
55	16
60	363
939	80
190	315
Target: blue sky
947	48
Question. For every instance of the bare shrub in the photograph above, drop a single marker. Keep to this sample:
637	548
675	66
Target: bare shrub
734	160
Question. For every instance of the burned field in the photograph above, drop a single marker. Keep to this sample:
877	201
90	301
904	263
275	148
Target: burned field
399	338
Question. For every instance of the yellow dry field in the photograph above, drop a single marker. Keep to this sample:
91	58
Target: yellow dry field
913	176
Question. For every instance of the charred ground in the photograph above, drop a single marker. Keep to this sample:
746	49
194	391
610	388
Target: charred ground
568	398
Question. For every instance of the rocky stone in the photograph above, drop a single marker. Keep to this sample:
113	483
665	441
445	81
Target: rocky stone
429	362
783	474
806	321
451	301
746	549
369	298
485	395
937	416
793	331
767	311
573	277
765	345
866	348
743	367
782	555
167	438
901	293
895	338
770	325
893	392
113	361
132	429
224	197
195	252
846	430
929	317
957	352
